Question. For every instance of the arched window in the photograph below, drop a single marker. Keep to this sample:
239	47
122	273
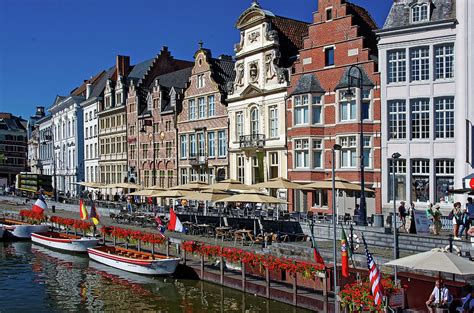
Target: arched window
420	13
254	121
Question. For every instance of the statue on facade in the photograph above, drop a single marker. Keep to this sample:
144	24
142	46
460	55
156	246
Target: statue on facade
270	65
230	88
240	45
239	77
272	35
253	72
282	75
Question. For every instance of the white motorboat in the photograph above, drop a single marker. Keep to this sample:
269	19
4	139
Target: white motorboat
63	241
21	230
134	261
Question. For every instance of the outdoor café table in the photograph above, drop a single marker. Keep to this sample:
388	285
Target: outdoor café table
202	228
222	232
243	234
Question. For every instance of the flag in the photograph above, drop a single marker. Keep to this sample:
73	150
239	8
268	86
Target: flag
40	205
94	215
174	223
83	210
317	257
159	224
375	277
346	253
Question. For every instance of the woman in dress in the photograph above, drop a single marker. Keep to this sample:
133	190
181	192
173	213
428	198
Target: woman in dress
434	215
456	213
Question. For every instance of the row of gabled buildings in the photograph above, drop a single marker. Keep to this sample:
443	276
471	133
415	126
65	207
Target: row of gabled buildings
280	104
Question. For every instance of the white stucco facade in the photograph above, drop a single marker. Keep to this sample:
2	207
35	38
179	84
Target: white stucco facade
90	109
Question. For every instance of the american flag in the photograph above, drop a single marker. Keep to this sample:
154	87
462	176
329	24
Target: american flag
375	276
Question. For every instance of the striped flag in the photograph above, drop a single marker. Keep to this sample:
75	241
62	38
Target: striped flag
374	275
83	210
94	215
174	223
40	205
345	254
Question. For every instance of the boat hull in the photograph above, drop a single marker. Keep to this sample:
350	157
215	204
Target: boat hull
24	231
144	267
66	244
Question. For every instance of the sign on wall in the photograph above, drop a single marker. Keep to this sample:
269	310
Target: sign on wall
422	222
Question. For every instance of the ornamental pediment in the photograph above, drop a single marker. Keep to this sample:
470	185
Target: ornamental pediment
251	90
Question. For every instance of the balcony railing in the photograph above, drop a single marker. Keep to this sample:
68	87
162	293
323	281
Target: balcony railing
196	159
252	141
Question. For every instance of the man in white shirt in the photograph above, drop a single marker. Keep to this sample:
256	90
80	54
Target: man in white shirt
439	292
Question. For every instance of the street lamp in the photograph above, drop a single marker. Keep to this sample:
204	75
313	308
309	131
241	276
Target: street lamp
349	95
395	157
49	137
335	148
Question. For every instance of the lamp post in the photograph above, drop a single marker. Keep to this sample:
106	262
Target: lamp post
335	148
349	94
49	137
395	157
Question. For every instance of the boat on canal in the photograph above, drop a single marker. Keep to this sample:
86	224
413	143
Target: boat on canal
63	241
134	261
20	230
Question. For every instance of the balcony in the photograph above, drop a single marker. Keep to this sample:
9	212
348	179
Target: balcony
198	159
254	141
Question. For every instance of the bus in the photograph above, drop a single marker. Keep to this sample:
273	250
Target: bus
31	183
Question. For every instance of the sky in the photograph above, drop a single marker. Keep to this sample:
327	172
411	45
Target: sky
48	47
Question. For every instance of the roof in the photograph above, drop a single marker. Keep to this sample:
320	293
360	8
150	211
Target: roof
81	90
344	81
399	15
223	72
100	86
308	83
177	79
291	33
11	122
140	69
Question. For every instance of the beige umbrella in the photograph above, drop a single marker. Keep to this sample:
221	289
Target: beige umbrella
171	194
438	260
231	184
341	184
143	193
280	183
91	184
253	197
124	186
197	185
211	194
156	187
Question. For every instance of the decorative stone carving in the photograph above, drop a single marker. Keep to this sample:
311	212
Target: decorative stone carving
282	75
270	65
272	35
238	46
239	77
253	36
230	88
253	72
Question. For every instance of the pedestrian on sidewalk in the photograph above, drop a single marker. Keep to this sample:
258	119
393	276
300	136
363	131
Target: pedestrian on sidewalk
456	216
434	214
470	210
402	214
412	218
465	222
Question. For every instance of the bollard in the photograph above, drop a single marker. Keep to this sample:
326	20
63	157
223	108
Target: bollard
450	243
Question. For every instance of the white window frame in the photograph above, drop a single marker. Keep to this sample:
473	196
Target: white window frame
397	119
420	118
254	121
348	153
273	121
192	109
211	106
317	146
211	144
222	143
202	109
184	147
200	81
444	61
239	125
302	153
444	117
351	107
396	66
420	63
417	15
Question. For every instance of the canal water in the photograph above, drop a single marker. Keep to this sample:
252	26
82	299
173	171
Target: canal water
37	279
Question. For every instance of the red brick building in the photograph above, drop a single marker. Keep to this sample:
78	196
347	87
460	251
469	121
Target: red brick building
152	106
203	122
320	115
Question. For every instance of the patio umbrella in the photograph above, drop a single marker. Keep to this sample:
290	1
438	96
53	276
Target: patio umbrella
176	194
143	193
91	184
197	185
280	183
341	184
124	186
231	184
253	197
211	194
156	187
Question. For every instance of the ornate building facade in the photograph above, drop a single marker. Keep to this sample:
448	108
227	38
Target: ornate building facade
202	123
256	100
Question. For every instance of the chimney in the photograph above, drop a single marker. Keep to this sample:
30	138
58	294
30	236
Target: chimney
88	90
123	65
39	111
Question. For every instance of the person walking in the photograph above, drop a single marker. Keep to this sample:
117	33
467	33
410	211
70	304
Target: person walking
456	215
470	210
402	214
465	222
434	214
412	218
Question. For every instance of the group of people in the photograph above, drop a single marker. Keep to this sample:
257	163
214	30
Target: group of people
440	297
463	218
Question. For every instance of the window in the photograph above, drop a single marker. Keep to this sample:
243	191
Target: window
347	109
211	106
112	145
87	133
169	148
301	153
184	146
420	63
444	180
366	104
348	151
254	121
202	108
397	119
329	56
107	102
301	109
317	153
194	175
201	144
170	178
192	146
241	168
367	152
200	81
274	165
444	117
317	109
239	125
184	176
192	109
400	179
420	184
396	66
162	178
156	149
145	151
420	118
444	61
118	99
329	14
273	122
222	144
146	178
211	145
419	13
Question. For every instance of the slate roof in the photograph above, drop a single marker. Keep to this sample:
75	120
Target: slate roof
81	90
140	69
100	86
291	33
11	122
344	81
308	83
177	79
399	15
223	72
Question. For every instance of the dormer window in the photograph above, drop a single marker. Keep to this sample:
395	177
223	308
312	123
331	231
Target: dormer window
329	14
420	13
200	81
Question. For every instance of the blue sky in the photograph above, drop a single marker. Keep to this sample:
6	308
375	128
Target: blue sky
48	47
